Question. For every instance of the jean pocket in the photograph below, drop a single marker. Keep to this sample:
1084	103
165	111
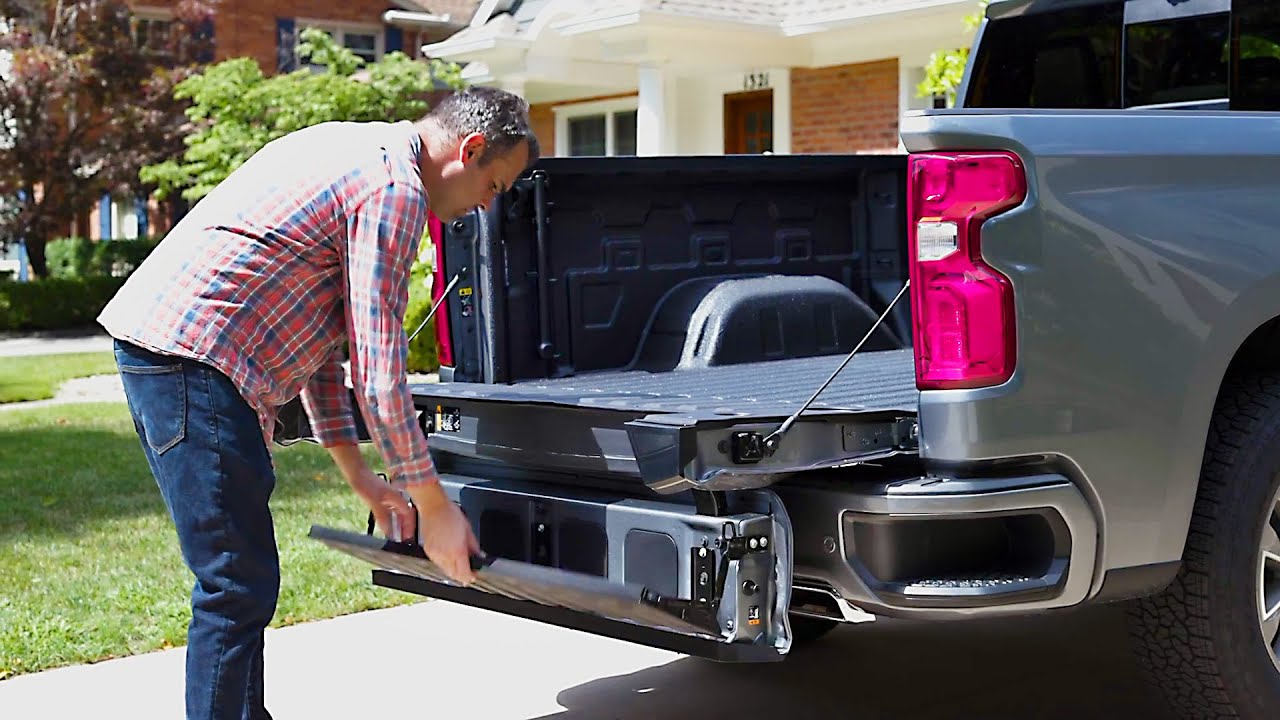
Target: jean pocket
159	395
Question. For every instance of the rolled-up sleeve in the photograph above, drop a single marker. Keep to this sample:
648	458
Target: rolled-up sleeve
383	234
328	405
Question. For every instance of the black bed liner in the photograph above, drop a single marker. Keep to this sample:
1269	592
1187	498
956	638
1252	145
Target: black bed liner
683	429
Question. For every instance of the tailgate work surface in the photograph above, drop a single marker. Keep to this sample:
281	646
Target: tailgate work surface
872	382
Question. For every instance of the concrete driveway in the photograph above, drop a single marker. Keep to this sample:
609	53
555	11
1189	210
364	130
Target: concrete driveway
439	660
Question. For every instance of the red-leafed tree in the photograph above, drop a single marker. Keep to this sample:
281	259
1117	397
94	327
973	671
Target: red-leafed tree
86	100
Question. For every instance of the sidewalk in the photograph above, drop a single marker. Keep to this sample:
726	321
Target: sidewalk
432	659
99	388
54	343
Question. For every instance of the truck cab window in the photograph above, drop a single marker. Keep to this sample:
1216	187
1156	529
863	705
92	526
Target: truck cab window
1181	60
1064	59
1256	80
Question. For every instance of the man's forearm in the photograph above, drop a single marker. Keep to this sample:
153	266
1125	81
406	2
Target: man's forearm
425	495
349	460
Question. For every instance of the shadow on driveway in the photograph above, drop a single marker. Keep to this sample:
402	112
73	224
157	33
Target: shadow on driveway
1065	665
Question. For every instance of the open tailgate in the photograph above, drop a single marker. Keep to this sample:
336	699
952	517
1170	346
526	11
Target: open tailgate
692	429
656	573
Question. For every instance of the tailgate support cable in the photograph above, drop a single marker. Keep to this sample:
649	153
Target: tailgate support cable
448	289
772	442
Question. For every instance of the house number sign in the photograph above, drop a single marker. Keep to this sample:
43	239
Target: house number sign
755	81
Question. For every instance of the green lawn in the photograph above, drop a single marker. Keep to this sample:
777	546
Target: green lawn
38	377
89	564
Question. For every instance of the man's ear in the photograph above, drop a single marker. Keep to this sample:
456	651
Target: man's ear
472	148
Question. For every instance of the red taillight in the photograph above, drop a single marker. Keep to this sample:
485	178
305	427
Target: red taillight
962	308
439	282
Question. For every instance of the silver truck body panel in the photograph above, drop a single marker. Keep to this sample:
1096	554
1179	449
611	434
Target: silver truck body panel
1147	251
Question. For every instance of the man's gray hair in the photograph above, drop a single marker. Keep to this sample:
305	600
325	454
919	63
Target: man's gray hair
502	117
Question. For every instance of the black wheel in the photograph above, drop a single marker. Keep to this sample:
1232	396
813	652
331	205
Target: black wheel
1211	641
805	629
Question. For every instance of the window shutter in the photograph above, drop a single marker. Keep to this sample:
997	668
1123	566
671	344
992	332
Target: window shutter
205	34
141	209
394	40
286	43
104	217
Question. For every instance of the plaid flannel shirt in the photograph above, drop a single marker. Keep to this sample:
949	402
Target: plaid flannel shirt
307	245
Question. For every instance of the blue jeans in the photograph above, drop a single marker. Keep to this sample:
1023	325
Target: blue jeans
208	456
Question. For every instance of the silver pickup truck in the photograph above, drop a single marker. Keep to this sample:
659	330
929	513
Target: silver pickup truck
652	410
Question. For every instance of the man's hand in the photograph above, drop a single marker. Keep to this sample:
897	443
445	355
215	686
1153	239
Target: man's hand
385	501
390	508
446	534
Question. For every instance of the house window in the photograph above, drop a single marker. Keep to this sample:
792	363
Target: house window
151	32
589	135
624	133
365	41
151	27
605	128
364	44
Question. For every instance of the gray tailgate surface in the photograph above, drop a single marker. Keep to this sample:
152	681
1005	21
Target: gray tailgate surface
872	382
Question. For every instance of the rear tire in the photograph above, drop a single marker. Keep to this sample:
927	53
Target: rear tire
1208	642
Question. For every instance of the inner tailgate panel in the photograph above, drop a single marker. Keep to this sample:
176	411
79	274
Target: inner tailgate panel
562	554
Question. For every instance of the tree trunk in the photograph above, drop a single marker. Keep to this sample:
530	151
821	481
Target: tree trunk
52	218
35	254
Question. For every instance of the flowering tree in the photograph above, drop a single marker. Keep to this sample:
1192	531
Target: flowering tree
86	101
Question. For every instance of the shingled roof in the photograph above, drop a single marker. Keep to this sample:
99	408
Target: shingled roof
459	11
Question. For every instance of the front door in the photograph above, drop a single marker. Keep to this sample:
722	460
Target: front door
748	122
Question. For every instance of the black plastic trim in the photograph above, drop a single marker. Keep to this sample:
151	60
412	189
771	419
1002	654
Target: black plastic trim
1135	582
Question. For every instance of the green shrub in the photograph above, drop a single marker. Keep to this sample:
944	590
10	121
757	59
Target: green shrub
120	257
78	257
68	257
424	356
54	303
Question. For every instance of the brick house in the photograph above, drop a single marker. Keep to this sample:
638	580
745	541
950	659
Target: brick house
697	77
266	30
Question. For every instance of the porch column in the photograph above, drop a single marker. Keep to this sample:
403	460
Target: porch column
656	116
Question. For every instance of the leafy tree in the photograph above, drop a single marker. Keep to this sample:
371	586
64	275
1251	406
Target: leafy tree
237	110
84	104
945	70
